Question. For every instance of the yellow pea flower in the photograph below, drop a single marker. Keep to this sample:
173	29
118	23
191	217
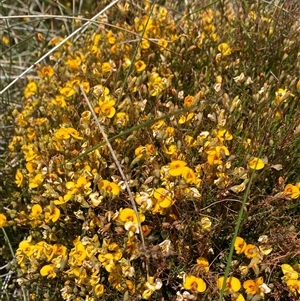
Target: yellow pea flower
251	251
256	163
239	245
292	191
19	178
2	220
225	49
194	284
140	66
232	284
48	270
176	168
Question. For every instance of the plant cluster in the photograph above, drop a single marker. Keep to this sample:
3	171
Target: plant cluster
202	113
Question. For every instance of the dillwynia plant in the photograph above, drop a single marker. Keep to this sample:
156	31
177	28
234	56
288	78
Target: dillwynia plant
155	156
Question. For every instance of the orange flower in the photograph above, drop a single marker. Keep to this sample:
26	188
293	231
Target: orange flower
291	191
47	71
251	251
250	287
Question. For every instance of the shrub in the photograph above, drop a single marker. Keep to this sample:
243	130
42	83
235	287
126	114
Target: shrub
201	110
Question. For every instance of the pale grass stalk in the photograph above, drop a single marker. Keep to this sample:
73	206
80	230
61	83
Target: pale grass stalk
78	30
121	172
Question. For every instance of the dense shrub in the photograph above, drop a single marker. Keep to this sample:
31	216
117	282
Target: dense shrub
202	112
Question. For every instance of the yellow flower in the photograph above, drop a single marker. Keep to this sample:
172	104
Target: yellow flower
48	270
30	90
225	49
99	290
203	263
77	254
237	297
194	284
85	86
163	198
298	85
151	286
36	181
61	250
107	260
29	152
52	214
106	107
251	287
74	133
100	90
288	272
239	245
163	43
176	168
126	62
251	251
67	91
215	154
189	175
156	84
110	188
121	118
145	44
62	134
66	133
19	178
232	284
189	101
185	118
110	37
5	40
36	211
205	223
73	63
2	220
281	95
129	218
62	200
293	285
140	66
292	191
224	135
256	163
106	67
47	71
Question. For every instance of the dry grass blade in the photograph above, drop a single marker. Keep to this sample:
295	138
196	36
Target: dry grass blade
120	170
